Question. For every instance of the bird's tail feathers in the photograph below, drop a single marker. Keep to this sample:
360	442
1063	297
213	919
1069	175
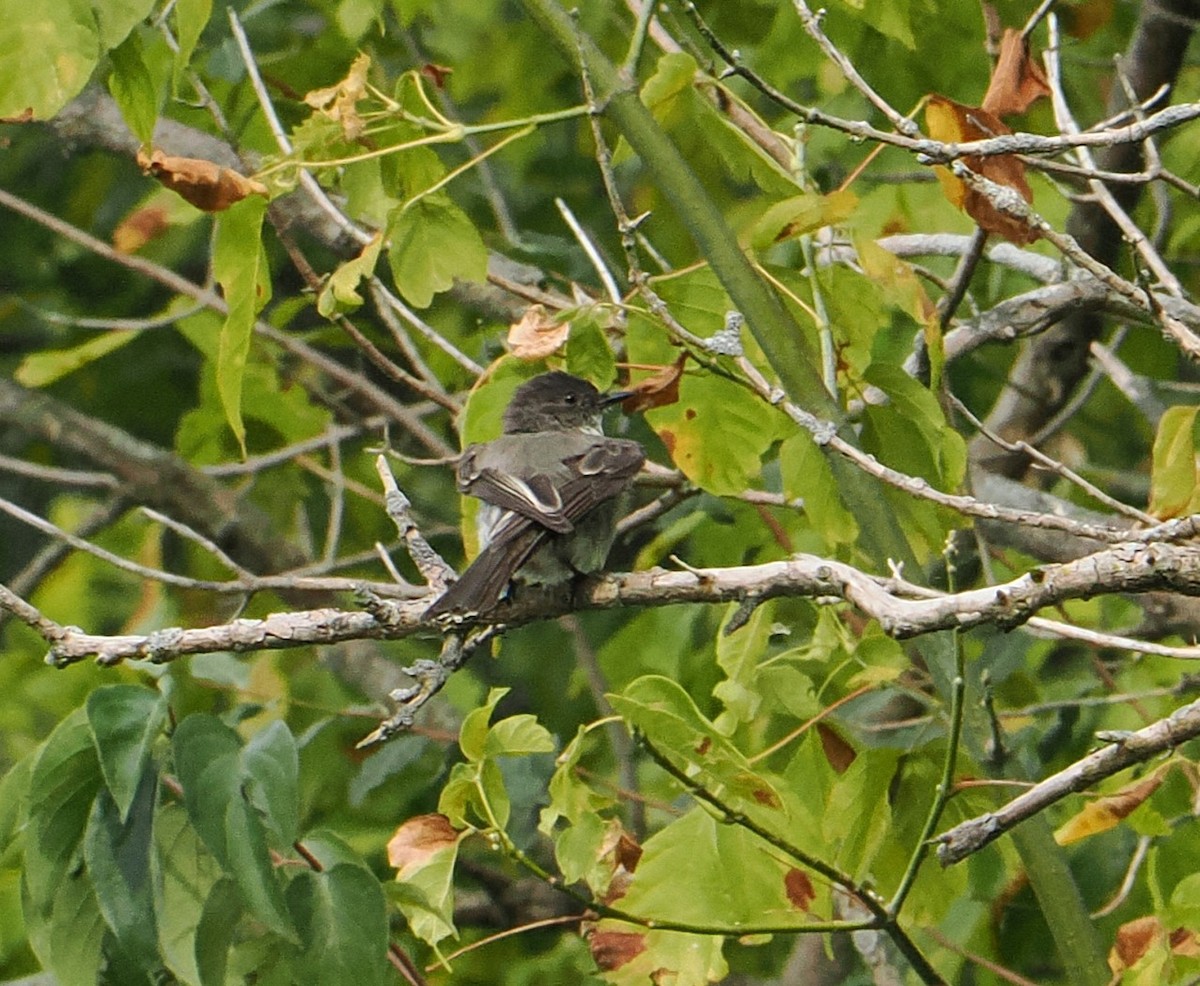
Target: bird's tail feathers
481	587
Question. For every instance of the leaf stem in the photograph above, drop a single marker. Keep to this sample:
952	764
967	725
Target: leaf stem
882	918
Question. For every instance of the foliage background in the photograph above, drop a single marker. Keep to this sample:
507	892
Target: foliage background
210	819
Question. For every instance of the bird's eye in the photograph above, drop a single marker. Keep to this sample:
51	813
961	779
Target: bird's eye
570	398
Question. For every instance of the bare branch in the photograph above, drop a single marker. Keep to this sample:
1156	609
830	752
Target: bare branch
1124	750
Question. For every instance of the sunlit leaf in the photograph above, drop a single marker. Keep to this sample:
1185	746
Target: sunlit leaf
1173	475
240	265
50	49
432	244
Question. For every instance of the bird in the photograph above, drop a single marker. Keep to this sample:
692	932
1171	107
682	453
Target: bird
550	488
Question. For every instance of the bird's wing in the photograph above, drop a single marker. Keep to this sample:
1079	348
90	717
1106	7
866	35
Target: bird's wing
535	499
582	482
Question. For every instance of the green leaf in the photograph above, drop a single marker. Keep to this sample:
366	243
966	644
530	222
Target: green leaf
806	475
271	762
116	18
14	800
133	88
859	834
472	735
62	786
48	366
240	266
717	433
125	720
433	243
341	916
495	803
252	870
424	892
50	49
207	762
671	722
215	932
117	850
518	735
68	937
708	852
738	655
214	772
1173	475
340	293
588	353
801	214
191	16
579	846
185	873
940	454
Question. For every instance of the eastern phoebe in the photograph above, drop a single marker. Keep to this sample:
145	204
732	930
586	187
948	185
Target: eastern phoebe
549	487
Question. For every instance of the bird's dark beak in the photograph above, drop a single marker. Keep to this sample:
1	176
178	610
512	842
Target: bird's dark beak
615	397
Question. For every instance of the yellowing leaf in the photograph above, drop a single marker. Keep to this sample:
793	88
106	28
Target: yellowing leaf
415	842
340	102
802	214
954	123
44	368
1106	813
1173	475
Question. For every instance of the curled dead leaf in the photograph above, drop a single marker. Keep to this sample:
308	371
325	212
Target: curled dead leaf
658	390
418	839
537	334
206	185
1017	80
955	123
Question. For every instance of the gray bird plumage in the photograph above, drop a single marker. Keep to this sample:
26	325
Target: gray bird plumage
550	487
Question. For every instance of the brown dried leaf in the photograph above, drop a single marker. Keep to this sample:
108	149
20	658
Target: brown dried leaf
340	102
1106	813
953	123
799	889
613	949
418	839
205	185
1134	939
437	74
656	391
1017	80
838	752
139	228
537	334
